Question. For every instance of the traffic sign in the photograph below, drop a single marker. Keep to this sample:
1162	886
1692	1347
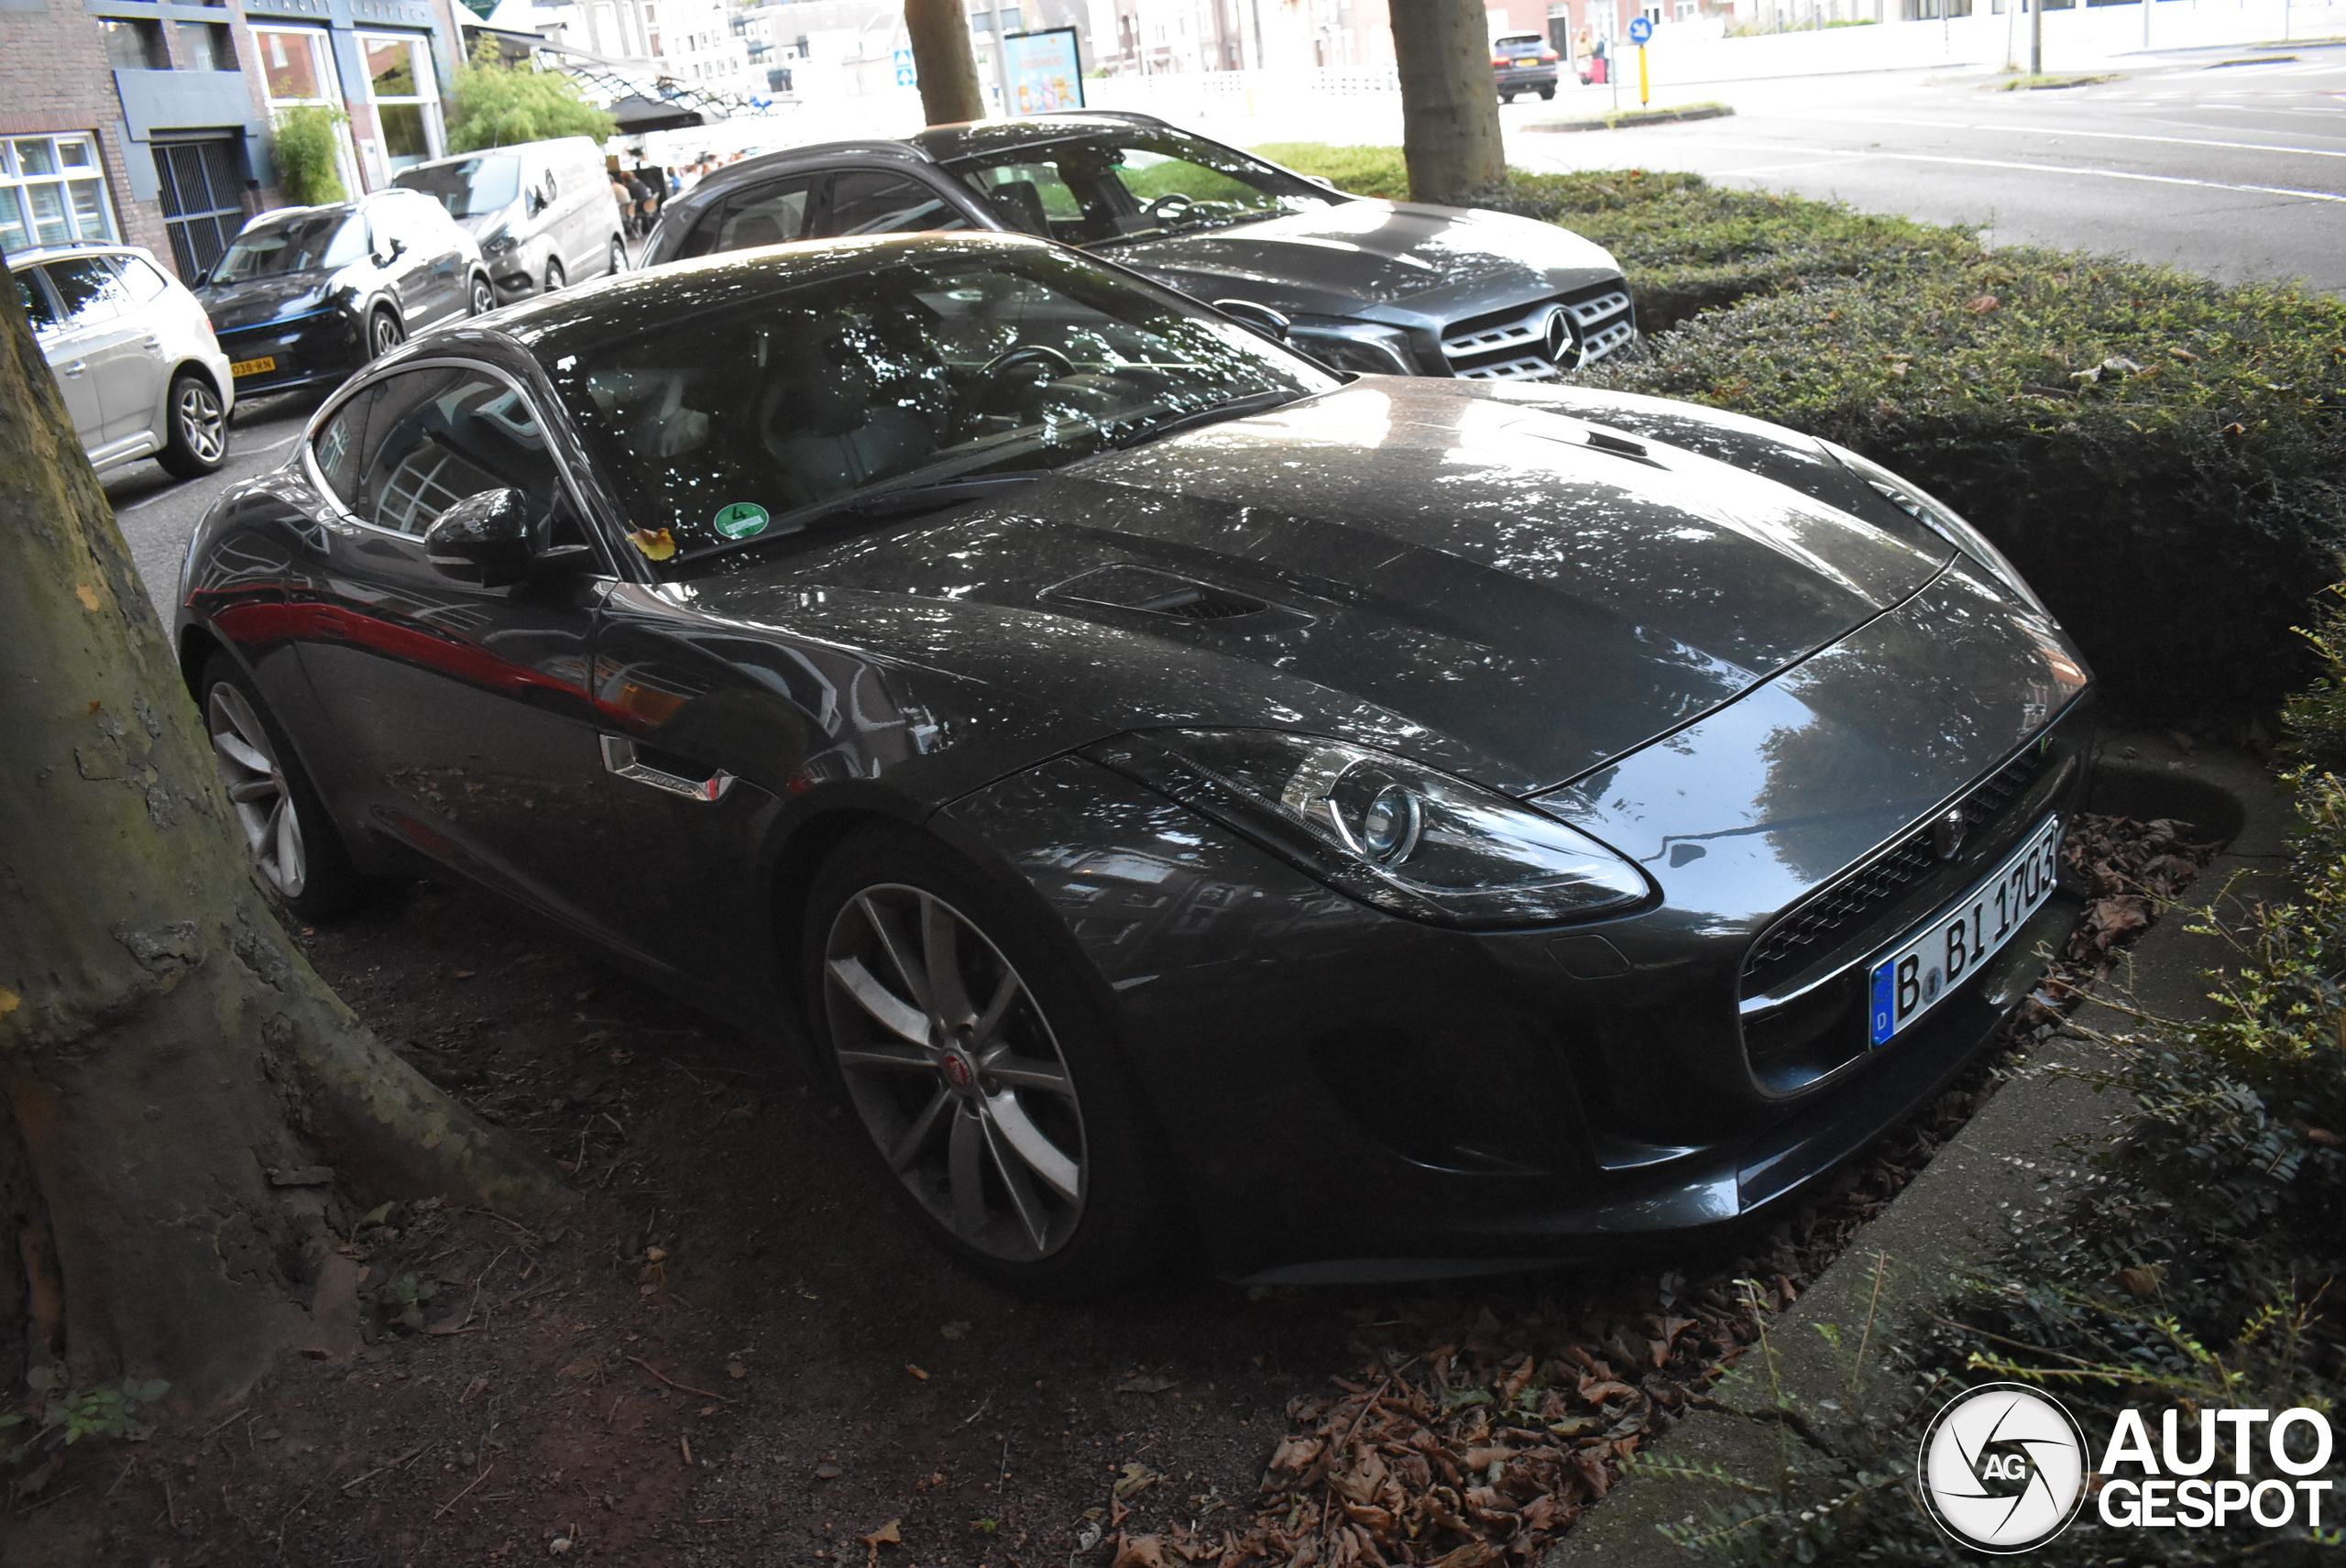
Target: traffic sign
905	77
1642	30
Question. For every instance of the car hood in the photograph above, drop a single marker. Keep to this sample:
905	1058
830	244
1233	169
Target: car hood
1374	253
261	299
1511	593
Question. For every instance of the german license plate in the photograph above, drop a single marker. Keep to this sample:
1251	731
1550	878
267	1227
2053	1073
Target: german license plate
1919	976
260	367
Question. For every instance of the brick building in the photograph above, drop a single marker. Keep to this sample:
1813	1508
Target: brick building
149	120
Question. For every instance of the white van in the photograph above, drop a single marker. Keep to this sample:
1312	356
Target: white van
542	210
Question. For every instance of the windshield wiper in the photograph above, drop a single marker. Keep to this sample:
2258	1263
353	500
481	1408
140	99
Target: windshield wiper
1214	414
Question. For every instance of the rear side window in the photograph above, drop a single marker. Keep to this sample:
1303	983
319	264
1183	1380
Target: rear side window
39	305
88	288
436	436
869	201
143	282
772	213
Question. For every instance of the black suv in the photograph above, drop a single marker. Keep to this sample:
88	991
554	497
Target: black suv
305	295
1397	287
1523	62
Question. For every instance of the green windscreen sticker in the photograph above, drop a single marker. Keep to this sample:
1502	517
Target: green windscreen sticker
741	519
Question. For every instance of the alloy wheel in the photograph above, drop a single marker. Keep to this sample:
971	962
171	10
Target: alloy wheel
203	429
485	297
386	335
955	1070
618	258
257	789
555	276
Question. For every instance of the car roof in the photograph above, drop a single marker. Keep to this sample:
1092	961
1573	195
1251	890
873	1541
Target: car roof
75	248
939	143
555	324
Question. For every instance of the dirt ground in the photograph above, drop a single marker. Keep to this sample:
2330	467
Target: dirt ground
739	1352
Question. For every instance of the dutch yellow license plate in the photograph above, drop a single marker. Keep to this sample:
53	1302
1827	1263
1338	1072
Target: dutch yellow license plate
260	367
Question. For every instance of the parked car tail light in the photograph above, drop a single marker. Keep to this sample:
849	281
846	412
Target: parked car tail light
1550	56
1389	831
1501	59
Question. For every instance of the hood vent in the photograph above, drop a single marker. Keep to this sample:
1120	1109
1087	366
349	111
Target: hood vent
1152	592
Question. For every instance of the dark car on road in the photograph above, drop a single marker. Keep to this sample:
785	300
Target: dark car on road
1385	288
1524	62
303	296
1389	826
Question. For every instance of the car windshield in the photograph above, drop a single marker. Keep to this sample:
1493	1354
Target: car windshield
471	188
1124	185
299	244
778	412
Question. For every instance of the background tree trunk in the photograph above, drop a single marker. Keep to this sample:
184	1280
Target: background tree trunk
173	1076
1450	105
943	61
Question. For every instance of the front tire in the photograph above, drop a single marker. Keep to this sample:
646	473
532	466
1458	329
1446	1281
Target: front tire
983	1079
619	256
1546	94
383	334
196	442
294	845
483	297
555	277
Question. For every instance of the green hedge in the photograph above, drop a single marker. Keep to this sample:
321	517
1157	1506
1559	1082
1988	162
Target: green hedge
2163	455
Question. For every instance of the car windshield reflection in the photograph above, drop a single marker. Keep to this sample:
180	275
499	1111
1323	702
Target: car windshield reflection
1140	185
302	245
766	416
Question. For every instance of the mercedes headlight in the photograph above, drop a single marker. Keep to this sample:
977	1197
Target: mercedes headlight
1941	520
1390	832
1356	346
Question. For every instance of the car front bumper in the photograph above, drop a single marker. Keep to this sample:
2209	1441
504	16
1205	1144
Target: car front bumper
1355	1096
319	347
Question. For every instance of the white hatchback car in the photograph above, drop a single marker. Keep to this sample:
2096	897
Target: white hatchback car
132	352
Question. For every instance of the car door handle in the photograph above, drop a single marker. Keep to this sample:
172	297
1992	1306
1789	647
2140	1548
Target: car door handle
77	368
620	761
153	341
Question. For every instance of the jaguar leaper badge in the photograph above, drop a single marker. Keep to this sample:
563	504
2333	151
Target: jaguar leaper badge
740	520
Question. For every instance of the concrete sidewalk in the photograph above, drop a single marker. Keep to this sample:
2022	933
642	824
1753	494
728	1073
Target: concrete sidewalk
2018	1157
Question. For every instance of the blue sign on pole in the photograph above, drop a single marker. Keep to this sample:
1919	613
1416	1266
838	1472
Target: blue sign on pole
1642	29
904	69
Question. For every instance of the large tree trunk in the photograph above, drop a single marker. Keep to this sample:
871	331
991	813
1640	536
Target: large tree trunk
172	1073
1449	107
944	62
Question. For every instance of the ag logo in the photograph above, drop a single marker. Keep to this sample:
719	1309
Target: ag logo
2003	1468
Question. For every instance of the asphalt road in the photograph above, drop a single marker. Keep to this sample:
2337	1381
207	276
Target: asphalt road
2233	170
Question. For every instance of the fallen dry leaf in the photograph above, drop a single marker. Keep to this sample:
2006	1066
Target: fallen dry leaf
826	1472
915	1372
886	1535
1136	1478
1146	1384
734	1369
1983	304
1138	1552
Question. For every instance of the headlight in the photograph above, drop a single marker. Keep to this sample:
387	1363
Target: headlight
499	241
1941	520
1355	347
1389	831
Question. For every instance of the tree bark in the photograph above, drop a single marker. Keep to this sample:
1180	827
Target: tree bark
172	1073
1450	105
943	61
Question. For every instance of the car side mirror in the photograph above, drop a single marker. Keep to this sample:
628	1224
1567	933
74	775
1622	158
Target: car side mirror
1271	323
1321	180
486	539
393	248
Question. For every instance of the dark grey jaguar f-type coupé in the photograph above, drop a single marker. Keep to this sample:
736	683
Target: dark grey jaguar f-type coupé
1400	826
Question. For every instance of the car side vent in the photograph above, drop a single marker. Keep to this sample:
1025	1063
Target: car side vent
1152	592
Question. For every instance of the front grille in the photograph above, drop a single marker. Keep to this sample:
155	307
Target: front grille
1840	906
1512	344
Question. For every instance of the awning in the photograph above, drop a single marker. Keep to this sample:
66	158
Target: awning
636	114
